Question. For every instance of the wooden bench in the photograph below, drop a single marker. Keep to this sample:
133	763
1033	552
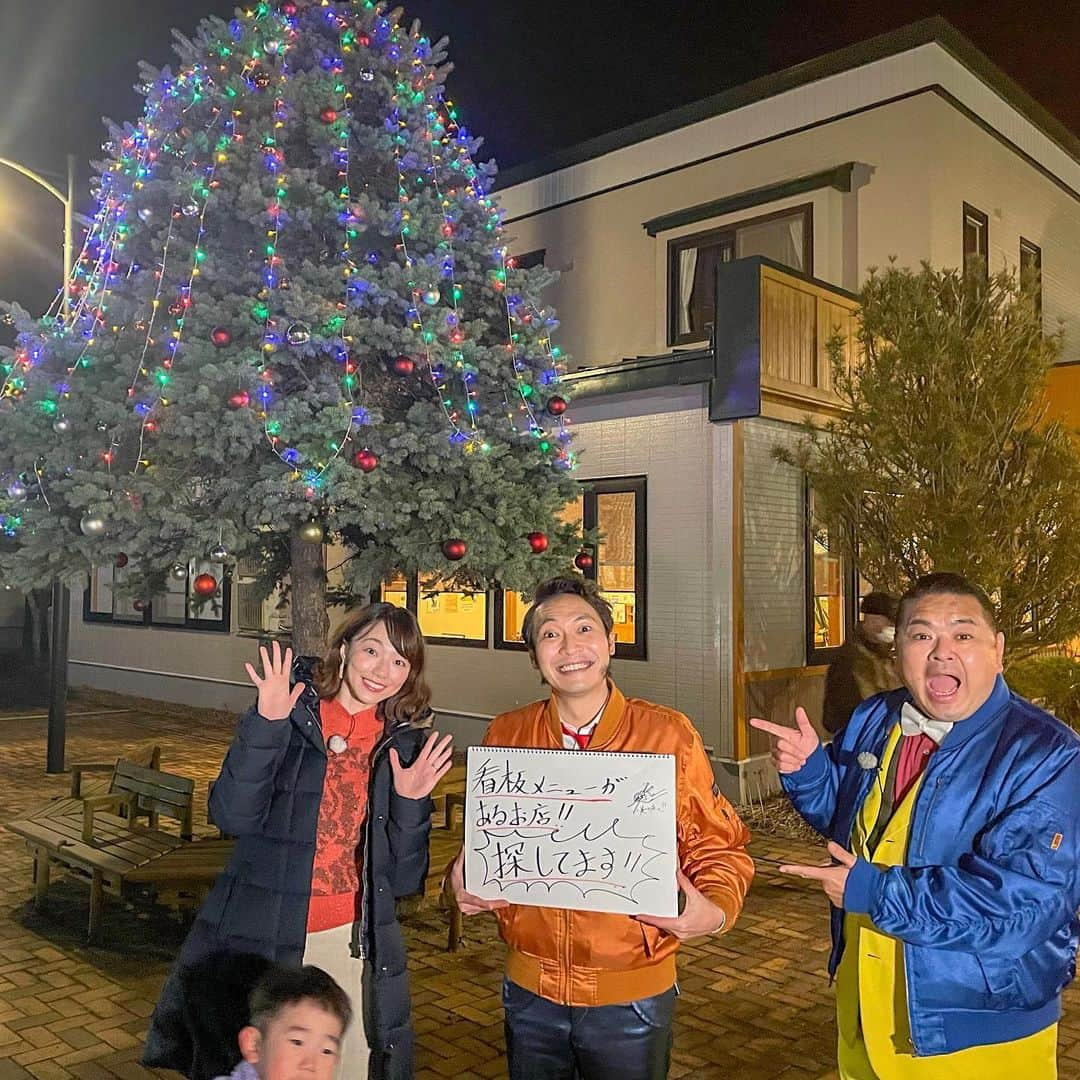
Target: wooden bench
114	851
137	791
148	755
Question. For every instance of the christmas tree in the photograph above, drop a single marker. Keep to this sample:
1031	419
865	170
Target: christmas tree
294	319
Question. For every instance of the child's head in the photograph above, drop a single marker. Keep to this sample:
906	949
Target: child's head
298	1018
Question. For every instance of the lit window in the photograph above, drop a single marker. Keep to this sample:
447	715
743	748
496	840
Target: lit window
616	509
395	592
451	617
831	586
976	242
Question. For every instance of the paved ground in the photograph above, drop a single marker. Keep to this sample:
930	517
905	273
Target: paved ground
755	1004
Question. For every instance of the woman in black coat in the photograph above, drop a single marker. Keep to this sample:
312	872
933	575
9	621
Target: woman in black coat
326	789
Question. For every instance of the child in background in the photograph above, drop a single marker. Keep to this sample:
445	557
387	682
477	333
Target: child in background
298	1019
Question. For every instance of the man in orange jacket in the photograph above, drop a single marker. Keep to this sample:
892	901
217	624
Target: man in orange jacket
586	994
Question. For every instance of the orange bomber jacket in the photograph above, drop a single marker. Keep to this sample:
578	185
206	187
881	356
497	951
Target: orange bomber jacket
591	958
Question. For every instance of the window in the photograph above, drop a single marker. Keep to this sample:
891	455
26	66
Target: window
616	509
256	613
528	259
446	616
976	242
786	237
1031	272
180	605
830	588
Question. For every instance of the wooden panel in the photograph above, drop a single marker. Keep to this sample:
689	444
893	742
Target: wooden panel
788	332
798	317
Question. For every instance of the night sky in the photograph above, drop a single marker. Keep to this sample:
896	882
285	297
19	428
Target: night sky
530	77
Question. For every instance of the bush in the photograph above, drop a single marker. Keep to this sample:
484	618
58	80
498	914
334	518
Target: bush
1052	682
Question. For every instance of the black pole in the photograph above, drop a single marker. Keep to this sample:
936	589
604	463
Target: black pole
58	677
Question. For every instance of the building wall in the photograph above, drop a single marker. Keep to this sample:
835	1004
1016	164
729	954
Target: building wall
774	547
687	460
919	160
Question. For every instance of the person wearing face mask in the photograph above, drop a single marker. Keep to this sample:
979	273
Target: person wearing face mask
951	807
865	665
326	789
587	994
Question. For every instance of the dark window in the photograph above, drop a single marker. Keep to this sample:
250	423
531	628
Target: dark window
616	509
831	588
786	237
976	242
179	605
528	259
1031	272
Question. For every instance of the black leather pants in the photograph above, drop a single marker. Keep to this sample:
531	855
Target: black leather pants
545	1041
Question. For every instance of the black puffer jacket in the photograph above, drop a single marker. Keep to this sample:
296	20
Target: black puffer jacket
268	797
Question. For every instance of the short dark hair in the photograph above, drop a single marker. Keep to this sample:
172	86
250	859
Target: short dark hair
945	584
280	987
565	586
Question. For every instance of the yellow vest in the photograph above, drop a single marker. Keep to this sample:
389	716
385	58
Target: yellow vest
874	1040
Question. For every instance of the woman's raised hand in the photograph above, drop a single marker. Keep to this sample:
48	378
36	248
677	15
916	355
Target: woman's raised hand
276	700
432	763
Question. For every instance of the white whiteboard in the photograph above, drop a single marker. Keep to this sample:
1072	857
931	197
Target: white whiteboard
572	829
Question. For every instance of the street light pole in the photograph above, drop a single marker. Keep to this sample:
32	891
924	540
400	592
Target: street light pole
61	594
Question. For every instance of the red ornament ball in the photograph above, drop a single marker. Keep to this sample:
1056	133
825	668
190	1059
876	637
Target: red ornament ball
140	604
221	336
288	9
120	561
538	541
239	400
556	406
328	116
584	561
205	585
403	365
366	461
455	549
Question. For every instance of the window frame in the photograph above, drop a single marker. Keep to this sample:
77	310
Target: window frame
637	486
849	584
212	626
707	237
976	215
1036	250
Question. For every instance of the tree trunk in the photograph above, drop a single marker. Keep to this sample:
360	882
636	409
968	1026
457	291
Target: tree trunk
38	602
307	574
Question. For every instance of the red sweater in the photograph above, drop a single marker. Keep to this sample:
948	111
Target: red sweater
335	874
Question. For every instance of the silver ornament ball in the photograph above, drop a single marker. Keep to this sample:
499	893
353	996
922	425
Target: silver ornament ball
16	490
298	334
92	525
431	297
178	572
219	553
61	425
145	214
189	209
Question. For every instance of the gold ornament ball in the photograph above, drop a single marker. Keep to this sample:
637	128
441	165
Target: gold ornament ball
311	532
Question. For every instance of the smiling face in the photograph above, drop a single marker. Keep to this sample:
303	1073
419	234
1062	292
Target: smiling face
302	1042
573	652
374	669
950	655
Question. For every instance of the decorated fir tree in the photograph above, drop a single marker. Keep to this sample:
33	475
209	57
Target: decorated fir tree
294	319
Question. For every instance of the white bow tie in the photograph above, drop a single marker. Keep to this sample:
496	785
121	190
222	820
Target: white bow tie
912	722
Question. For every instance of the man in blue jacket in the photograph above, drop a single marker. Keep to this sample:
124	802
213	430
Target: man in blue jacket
951	807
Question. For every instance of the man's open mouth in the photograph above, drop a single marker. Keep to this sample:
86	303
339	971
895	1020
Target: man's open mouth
943	687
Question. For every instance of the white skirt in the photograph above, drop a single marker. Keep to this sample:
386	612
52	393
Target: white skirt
329	950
